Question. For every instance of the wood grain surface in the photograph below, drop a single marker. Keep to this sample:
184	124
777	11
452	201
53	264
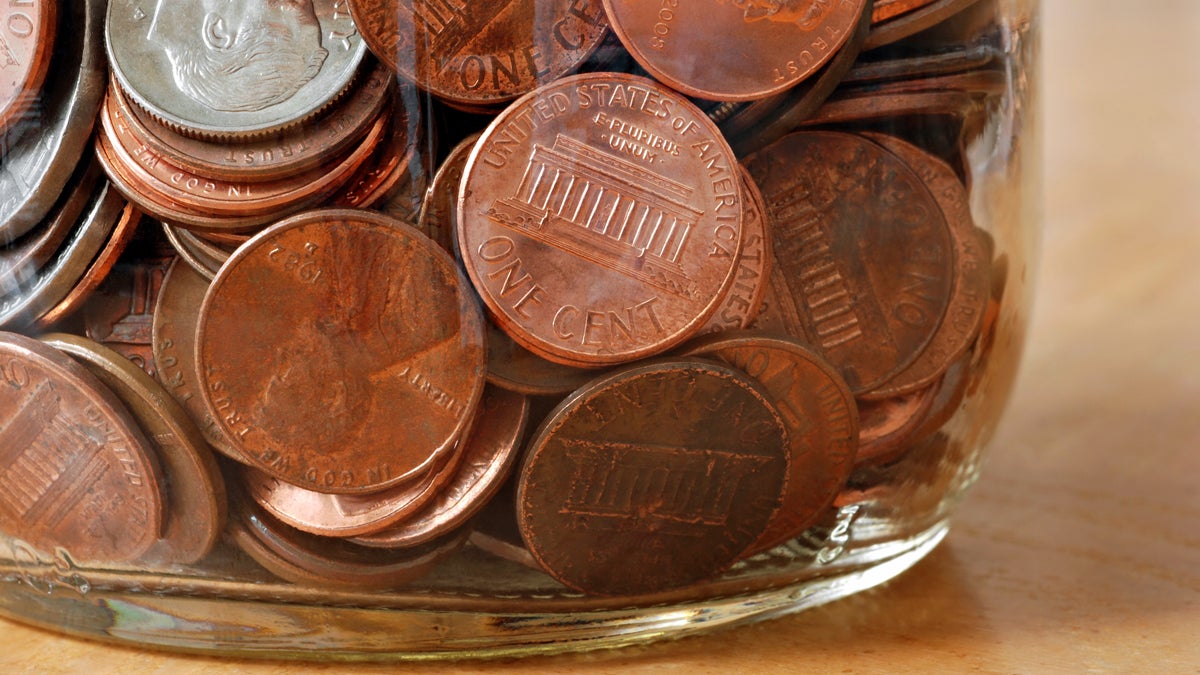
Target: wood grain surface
1079	550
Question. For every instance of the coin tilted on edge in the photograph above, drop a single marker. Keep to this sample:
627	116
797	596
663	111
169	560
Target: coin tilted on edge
600	219
733	50
652	478
326	336
77	472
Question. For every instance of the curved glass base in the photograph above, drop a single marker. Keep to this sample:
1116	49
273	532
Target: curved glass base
264	620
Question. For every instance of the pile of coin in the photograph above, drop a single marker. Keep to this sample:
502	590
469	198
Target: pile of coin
646	315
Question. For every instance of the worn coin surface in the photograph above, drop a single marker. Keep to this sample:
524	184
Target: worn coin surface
818	412
232	69
864	262
600	219
487	460
733	50
194	486
972	272
311	314
77	472
652	478
481	53
27	32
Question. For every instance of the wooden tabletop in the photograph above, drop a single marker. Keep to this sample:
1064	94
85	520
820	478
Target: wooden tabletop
1079	550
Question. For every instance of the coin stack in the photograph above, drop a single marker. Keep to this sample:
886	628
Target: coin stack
651	312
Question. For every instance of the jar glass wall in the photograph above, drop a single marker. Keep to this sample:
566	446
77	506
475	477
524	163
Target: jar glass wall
394	329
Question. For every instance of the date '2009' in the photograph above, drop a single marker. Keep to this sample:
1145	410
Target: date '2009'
662	27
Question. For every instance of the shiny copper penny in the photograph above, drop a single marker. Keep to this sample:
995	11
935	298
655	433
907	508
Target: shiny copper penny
175	316
864	261
77	472
346	515
818	412
313	314
232	69
27	29
742	300
972	257
652	478
477	53
733	50
487	460
918	19
325	562
195	488
600	219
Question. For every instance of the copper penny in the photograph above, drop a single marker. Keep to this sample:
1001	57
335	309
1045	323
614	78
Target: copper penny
310	314
77	472
195	488
398	163
889	9
972	257
600	218
120	313
742	300
325	562
56	279
175	317
198	259
122	232
347	515
477	53
818	412
38	164
27	29
232	69
864	262
652	478
271	157
888	424
487	460
915	21
439	208
22	260
951	390
690	46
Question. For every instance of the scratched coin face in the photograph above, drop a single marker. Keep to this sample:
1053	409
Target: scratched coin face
232	68
341	351
600	218
864	262
778	43
480	53
652	478
77	472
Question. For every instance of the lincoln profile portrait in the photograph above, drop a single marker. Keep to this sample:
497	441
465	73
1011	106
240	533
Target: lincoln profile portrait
804	13
239	55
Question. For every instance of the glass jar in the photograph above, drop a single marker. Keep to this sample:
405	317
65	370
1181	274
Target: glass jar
393	329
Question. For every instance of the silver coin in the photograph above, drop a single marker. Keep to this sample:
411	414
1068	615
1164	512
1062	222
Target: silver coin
38	164
222	68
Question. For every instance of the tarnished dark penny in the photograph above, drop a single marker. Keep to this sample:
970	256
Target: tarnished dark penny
652	478
742	300
439	208
325	562
58	277
600	219
487	460
77	472
122	232
312	314
232	69
195	489
686	45
864	261
347	515
274	156
22	260
479	54
972	258
40	162
818	412
175	317
27	33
